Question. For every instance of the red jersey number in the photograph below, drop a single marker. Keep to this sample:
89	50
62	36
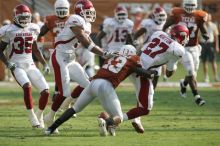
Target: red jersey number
115	64
155	43
22	45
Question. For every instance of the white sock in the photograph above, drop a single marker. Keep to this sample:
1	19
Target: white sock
52	114
31	112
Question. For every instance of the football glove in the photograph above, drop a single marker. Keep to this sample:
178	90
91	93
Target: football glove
46	69
11	65
108	54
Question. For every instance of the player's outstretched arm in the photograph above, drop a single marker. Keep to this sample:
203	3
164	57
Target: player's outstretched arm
99	37
148	74
170	21
204	32
139	33
44	29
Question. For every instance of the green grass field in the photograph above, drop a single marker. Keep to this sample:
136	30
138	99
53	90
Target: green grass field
174	121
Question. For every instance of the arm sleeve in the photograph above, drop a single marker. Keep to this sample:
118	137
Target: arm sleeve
75	21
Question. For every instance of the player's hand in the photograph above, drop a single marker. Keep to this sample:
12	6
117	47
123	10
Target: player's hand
150	74
11	65
46	69
108	54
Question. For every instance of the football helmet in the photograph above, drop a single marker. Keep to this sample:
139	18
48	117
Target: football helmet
85	9
62	8
121	14
127	50
159	15
180	33
190	5
22	15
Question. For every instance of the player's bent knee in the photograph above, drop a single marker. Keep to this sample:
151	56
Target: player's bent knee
26	85
45	93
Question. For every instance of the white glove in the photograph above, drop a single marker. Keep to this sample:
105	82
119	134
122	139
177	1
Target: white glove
46	69
108	54
11	66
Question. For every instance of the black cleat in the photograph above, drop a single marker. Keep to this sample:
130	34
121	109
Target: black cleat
182	89
199	101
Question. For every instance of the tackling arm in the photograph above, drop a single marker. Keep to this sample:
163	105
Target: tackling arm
148	74
3	58
99	37
85	41
170	21
44	29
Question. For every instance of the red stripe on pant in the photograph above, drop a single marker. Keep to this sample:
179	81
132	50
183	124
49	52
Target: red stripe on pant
58	80
27	91
57	73
143	100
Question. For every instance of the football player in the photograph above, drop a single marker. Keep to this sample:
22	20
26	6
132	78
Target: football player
76	30
55	23
21	36
148	27
103	85
117	31
194	20
162	49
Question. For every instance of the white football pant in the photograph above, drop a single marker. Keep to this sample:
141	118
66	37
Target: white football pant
104	90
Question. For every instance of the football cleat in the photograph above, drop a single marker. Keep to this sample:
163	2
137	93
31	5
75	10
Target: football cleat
40	119
34	121
182	89
102	127
111	130
48	131
199	101
49	121
137	125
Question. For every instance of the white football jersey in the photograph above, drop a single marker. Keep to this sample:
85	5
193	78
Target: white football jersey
66	40
20	41
116	32
160	50
151	27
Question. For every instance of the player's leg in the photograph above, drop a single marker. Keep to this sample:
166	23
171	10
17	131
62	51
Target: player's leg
136	122
62	80
111	104
188	64
204	56
84	99
212	59
23	80
156	78
38	80
196	51
52	71
77	74
145	100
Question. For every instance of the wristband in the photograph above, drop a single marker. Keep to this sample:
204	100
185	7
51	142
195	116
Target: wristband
92	45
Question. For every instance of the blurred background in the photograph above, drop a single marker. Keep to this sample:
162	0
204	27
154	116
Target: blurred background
138	9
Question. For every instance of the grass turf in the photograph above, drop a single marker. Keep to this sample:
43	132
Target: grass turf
174	121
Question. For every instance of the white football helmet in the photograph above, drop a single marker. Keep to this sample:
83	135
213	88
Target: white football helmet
127	50
159	15
62	8
190	5
121	14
